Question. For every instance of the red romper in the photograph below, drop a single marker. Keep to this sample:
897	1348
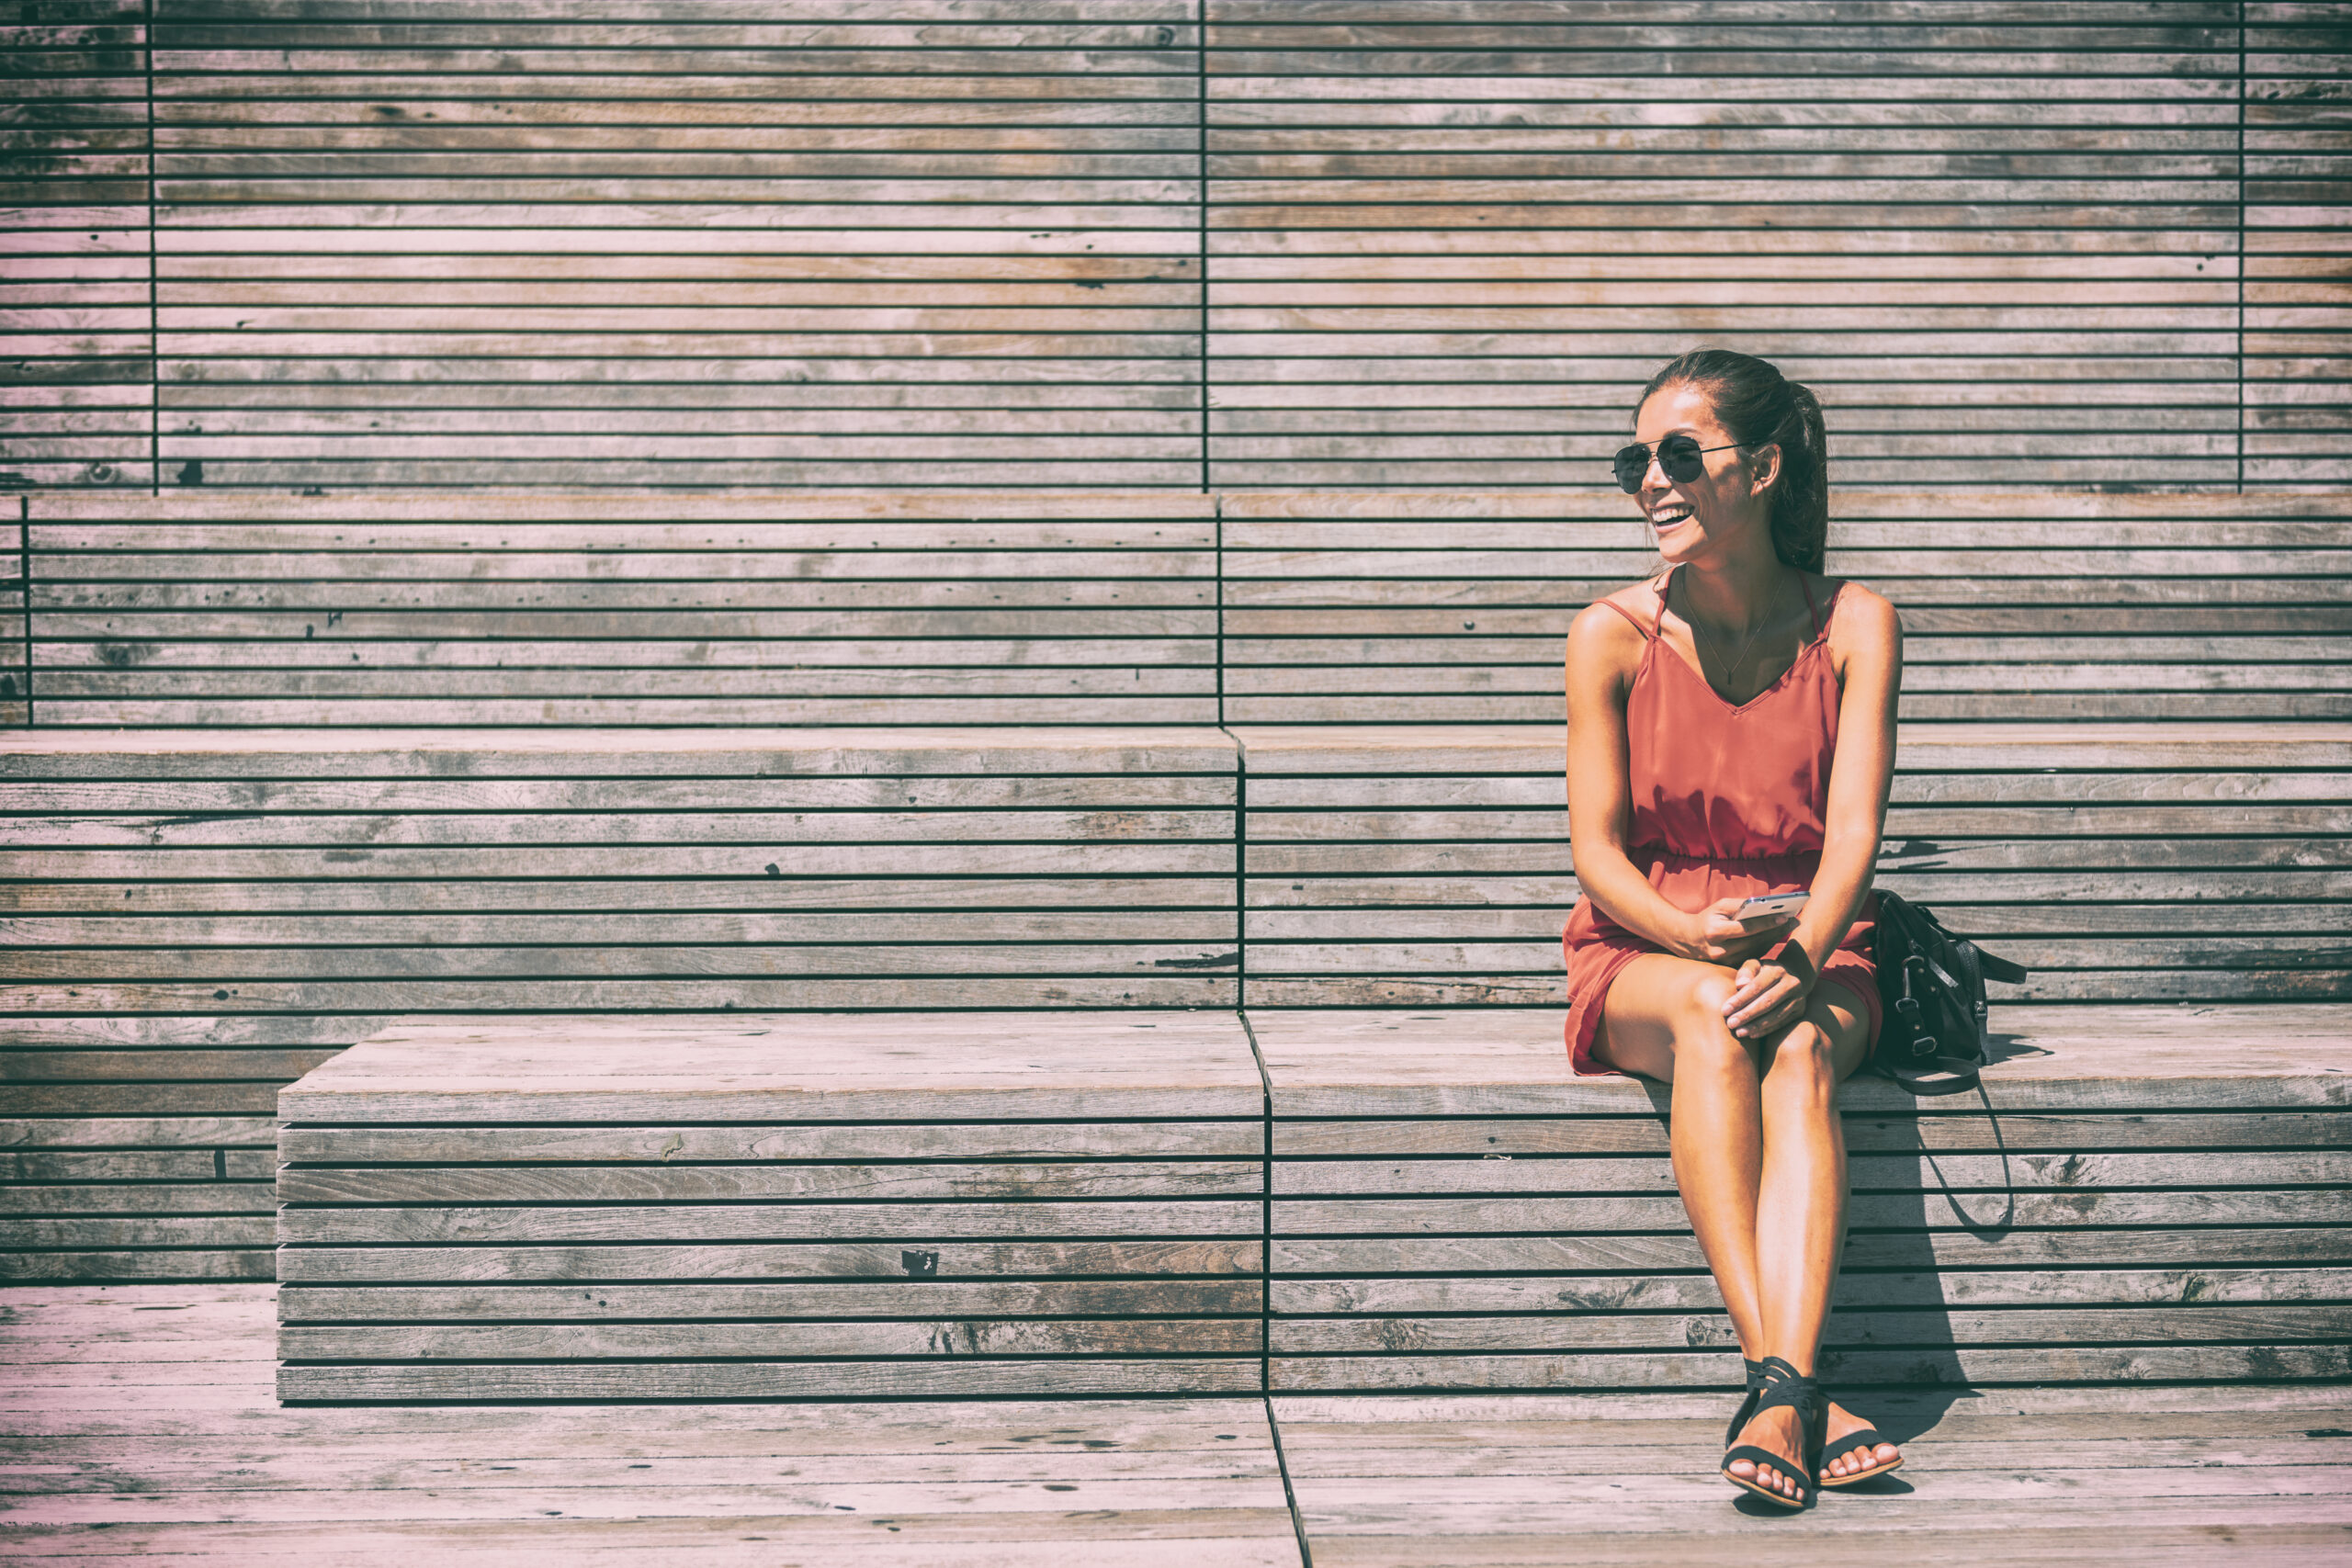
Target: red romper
1724	800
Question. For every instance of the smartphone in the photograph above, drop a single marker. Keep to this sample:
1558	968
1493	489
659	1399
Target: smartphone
1770	905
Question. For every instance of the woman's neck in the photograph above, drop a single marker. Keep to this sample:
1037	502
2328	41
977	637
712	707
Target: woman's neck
1736	593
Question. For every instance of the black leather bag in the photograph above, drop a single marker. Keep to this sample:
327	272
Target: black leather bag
1933	1036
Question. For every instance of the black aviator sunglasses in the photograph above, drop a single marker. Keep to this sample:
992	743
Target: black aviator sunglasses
1678	459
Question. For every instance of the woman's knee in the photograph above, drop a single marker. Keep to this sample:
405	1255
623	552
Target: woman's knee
1700	1035
1804	1058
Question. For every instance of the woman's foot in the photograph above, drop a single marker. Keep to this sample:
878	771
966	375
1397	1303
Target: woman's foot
1843	1422
1777	1431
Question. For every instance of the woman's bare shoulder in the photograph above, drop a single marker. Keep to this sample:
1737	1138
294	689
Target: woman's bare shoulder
1858	613
1863	624
1609	628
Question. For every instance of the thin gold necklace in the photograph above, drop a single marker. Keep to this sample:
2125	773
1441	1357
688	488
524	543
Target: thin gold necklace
1746	648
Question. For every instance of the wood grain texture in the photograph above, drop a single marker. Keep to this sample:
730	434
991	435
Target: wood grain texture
77	402
1377	878
904	252
943	1257
1426	1235
1627	1480
696	870
626	609
1447	246
1439	608
187	1403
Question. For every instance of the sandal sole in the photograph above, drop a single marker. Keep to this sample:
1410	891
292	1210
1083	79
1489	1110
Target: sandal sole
1861	1477
1794	1505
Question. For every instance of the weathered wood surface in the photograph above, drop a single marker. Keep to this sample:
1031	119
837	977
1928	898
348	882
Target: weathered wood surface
139	1424
227	1475
1446	244
1450	1208
2060	1475
1355	607
759	1069
1112	607
194	919
946	1262
77	400
995	246
626	608
846	248
1426	866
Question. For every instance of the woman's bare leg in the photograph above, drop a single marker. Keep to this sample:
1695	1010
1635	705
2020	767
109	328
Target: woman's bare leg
1664	1019
1760	1156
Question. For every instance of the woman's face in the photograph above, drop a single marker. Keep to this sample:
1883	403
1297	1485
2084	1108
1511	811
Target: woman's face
1725	502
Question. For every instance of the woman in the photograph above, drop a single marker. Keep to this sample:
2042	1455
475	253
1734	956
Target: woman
1705	707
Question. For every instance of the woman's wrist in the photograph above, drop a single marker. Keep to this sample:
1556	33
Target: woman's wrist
1796	957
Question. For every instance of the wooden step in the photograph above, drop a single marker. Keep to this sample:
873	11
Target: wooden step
1405	865
800	1205
2143	1193
766	1206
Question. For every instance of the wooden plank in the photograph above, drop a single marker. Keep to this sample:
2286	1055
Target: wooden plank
1382	1062
891	1223
685	1184
927	1298
631	1381
1228	1140
555	1351
1968	1365
1936	1328
1929	1129
844	1067
2028	1288
1226	1257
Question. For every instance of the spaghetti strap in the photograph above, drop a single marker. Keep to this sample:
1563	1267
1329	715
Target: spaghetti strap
1810	608
1657	621
1629	615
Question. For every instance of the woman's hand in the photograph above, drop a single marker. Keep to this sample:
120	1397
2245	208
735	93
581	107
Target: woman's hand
1765	999
1716	936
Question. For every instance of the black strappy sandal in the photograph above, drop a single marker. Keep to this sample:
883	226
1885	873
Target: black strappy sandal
1866	1440
1783	1384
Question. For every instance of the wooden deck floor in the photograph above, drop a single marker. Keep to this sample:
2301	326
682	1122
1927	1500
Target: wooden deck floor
139	1422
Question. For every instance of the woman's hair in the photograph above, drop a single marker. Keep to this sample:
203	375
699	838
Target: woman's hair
1760	407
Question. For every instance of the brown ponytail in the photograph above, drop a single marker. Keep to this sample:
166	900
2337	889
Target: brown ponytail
1760	407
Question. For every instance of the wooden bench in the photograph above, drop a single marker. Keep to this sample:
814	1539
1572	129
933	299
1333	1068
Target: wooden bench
2143	1193
888	1204
775	1205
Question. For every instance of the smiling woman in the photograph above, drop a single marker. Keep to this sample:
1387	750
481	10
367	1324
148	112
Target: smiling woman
1731	738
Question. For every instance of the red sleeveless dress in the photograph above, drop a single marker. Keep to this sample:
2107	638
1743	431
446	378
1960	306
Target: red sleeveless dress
1724	800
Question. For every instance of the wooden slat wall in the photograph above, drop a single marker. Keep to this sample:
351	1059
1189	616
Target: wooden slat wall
937	244
76	349
1448	243
1427	866
1391	607
2297	243
190	919
626	608
523	241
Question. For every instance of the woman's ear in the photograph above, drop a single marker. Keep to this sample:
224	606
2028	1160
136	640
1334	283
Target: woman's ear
1766	460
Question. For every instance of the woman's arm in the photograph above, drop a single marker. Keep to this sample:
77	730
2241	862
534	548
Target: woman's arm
1866	640
1604	649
